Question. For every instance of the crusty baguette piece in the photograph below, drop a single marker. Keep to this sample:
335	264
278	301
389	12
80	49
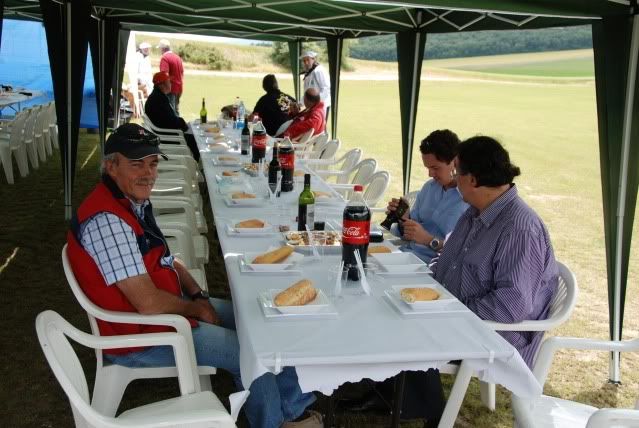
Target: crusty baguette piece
229	173
298	294
226	158
275	256
412	295
378	249
253	223
242	195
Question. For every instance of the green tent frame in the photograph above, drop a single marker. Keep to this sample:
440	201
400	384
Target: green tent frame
615	26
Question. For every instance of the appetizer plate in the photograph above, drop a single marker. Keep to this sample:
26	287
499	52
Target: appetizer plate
445	306
323	239
320	303
445	297
248	232
288	263
267	228
399	262
226	160
251	202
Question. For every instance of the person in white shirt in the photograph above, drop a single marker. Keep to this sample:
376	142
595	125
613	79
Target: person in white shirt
145	73
316	76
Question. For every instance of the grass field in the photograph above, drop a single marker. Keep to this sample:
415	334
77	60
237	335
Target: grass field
550	130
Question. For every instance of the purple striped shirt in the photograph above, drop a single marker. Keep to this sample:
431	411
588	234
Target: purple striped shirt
501	265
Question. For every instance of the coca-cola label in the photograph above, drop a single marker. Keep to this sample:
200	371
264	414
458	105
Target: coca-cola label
287	160
356	232
259	141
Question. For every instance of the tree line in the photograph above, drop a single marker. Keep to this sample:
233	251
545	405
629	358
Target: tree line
465	44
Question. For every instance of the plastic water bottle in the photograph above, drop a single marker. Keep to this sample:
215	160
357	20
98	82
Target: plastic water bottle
241	112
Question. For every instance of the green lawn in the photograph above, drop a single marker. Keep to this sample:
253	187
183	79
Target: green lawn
550	130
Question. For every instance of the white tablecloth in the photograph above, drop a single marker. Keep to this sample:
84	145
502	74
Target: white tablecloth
368	338
14	97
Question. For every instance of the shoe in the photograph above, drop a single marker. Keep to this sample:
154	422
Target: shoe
371	402
314	420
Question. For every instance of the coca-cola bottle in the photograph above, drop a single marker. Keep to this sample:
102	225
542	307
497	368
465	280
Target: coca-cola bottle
287	163
355	232
258	143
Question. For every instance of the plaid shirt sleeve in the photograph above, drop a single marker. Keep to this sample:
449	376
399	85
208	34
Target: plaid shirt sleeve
114	247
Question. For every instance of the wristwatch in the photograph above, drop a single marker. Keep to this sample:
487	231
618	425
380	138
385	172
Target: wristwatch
202	294
434	244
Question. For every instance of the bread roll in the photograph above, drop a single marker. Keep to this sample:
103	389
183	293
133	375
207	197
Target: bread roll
378	249
253	223
412	295
298	294
229	173
226	158
275	256
242	195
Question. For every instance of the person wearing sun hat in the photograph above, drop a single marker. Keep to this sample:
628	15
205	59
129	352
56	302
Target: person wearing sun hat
145	72
159	110
316	76
123	263
171	63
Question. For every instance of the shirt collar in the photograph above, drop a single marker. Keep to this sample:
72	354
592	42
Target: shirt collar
138	209
493	210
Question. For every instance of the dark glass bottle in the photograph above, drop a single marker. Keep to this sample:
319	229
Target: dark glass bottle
306	206
245	139
274	169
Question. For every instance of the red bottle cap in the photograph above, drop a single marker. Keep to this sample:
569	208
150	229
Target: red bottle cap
358	188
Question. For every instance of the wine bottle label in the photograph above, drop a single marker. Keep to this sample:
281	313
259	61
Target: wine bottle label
356	232
287	160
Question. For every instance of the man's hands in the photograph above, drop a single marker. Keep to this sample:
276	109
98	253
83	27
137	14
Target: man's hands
392	206
414	231
207	313
293	109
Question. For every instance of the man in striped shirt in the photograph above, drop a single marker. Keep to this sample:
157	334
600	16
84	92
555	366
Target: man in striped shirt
498	260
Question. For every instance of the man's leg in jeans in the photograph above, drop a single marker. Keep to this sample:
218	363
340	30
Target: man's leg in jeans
190	141
177	102
171	98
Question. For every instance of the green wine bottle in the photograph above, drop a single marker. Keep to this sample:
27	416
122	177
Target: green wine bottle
203	112
306	210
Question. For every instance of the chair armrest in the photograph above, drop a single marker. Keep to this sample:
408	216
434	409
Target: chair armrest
377	209
532	325
172	138
341	186
329	172
605	418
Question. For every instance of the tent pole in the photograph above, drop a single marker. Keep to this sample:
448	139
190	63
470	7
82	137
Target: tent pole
68	179
116	94
335	98
103	103
615	359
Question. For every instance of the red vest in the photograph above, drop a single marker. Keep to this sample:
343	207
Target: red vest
104	199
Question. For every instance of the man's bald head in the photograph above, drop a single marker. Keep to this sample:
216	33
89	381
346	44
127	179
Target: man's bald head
311	97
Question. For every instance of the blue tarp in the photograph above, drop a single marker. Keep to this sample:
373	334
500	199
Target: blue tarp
24	61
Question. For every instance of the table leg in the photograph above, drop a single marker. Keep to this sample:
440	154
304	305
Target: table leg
456	397
400	381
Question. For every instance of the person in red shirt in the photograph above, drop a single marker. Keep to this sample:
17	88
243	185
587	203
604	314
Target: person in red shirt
310	118
171	63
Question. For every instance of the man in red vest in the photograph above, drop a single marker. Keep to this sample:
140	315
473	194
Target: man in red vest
123	263
312	117
171	63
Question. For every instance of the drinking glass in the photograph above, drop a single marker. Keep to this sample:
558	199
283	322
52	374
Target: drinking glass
336	281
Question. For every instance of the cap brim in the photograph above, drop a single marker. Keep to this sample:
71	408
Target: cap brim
144	151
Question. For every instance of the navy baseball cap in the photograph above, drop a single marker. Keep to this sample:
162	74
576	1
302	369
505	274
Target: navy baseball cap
133	142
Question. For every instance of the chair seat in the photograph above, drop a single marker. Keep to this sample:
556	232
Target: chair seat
556	412
189	410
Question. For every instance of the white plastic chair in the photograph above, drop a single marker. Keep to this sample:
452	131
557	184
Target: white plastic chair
561	307
360	173
28	137
178	211
53	125
11	143
330	149
303	139
191	409
376	189
165	134
411	197
41	132
192	247
545	411
315	149
341	166
111	379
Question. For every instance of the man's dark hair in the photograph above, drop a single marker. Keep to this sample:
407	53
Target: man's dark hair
312	97
442	144
269	83
486	160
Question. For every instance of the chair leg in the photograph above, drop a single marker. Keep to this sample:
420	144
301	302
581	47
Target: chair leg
398	399
22	161
38	141
107	392
32	150
487	394
5	154
205	383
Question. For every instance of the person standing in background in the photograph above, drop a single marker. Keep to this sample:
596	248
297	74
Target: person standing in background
145	72
316	76
171	63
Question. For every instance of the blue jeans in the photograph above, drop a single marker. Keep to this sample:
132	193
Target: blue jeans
174	100
273	398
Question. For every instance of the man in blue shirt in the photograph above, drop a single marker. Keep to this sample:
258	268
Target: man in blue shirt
438	205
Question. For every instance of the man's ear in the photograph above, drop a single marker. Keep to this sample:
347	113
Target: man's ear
473	180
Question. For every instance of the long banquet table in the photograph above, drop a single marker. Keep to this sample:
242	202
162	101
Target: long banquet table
10	98
368	338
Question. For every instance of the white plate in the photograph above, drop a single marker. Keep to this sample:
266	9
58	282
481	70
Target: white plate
288	263
268	228
226	160
444	307
228	179
445	297
399	262
272	314
424	270
320	303
250	233
255	202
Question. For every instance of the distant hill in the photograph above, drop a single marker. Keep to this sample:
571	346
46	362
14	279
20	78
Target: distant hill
479	43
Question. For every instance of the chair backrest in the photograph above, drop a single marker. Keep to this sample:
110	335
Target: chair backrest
350	159
376	188
303	139
364	171
53	331
91	308
42	120
330	149
29	125
16	128
565	298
